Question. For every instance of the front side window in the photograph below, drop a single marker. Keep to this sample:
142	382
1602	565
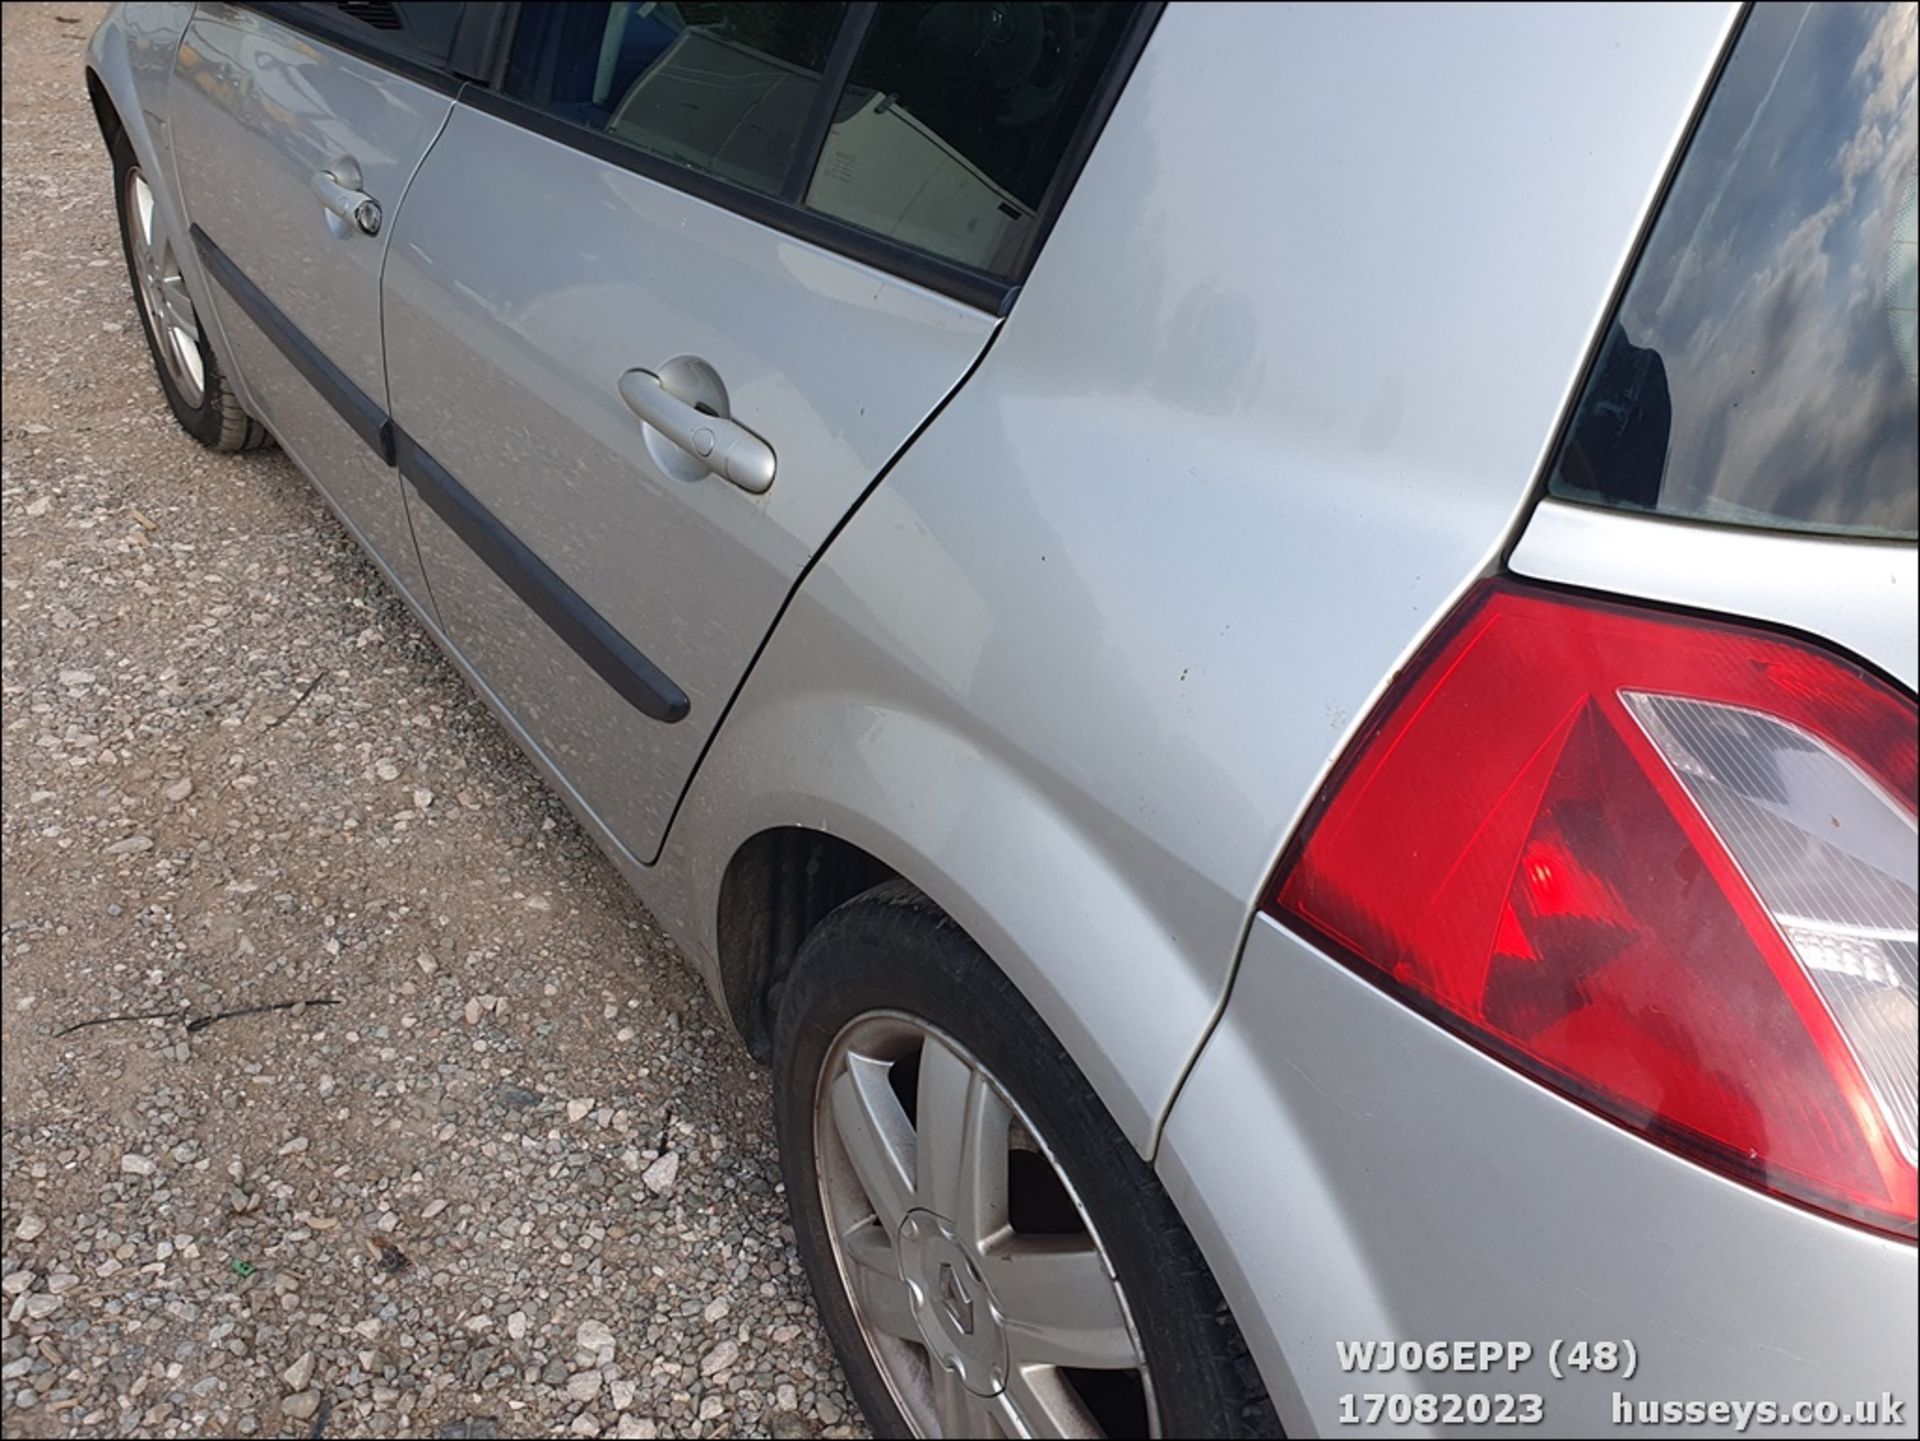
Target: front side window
721	88
1761	370
956	119
418	30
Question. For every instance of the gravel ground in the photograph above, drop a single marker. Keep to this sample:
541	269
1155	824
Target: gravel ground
518	1180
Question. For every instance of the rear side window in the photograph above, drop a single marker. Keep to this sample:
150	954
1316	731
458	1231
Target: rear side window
956	118
721	88
1762	370
938	127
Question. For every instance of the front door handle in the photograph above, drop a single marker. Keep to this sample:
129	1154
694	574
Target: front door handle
349	206
722	445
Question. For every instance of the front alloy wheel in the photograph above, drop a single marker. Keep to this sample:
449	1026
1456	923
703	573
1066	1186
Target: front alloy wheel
163	294
197	390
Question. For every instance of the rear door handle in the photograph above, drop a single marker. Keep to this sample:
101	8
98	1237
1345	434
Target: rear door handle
352	207
722	445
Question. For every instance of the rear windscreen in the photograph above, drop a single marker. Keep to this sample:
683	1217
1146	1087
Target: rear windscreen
1761	369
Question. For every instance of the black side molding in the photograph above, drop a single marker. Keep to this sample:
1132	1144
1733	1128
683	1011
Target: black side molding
356	407
640	682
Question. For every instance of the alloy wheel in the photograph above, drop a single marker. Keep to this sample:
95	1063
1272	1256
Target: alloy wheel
163	293
979	1284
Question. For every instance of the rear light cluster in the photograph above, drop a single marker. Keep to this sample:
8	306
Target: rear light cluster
1665	865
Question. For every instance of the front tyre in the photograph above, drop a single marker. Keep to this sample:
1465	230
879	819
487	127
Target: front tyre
989	1254
190	374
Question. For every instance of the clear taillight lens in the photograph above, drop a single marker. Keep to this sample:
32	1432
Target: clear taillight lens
1664	865
1830	855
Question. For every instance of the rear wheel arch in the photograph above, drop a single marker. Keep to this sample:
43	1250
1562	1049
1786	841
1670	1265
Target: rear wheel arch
778	886
924	963
991	844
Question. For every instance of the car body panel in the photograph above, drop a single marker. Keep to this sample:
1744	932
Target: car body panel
1863	596
1208	489
506	353
131	56
258	109
1355	1173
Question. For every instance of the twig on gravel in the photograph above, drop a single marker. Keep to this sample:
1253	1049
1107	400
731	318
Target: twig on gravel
311	685
198	1023
110	1020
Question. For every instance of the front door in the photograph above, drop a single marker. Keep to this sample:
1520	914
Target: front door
665	302
295	134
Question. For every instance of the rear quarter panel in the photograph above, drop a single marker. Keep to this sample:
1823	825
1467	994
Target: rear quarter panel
1275	394
1357	1174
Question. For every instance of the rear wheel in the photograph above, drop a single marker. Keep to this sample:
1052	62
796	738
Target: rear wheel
190	374
990	1255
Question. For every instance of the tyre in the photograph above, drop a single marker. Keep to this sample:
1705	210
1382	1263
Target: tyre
989	1254
197	388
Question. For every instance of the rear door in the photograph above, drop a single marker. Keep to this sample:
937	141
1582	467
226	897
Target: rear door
667	298
278	113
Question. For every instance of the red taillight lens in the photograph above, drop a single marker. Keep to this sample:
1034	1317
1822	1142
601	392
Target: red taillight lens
1665	865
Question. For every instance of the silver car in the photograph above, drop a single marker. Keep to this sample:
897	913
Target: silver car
1268	653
